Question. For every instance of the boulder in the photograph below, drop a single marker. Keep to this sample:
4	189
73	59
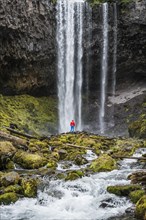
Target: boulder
8	198
103	163
140	211
29	161
10	178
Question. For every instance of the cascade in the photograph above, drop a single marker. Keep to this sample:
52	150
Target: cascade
89	52
114	69
70	52
84	198
104	68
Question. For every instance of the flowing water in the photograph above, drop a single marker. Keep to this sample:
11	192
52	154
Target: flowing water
113	92
104	68
70	52
84	198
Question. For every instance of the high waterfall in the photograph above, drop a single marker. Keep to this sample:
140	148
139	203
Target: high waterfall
70	52
104	68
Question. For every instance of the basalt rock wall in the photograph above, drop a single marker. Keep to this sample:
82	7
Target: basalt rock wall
28	51
27	47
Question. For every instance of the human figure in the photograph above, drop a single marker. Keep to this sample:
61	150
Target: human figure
72	126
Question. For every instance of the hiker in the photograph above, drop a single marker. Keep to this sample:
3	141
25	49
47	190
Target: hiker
72	126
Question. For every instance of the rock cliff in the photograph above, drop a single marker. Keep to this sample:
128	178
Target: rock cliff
27	47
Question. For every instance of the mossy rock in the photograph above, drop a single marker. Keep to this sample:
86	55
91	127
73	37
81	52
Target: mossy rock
7	150
14	188
29	187
10	178
136	195
73	175
138	129
123	190
8	198
29	161
140	211
103	163
51	164
80	160
10	165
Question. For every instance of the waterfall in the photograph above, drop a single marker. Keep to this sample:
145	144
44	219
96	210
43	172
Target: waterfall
104	68
70	52
88	52
114	69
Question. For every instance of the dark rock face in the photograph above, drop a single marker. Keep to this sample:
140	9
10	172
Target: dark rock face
27	47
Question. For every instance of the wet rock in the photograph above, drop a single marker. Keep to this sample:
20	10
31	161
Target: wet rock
10	178
29	187
103	163
7	150
8	198
29	161
140	211
123	190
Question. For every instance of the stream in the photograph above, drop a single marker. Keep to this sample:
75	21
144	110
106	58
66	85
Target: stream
85	198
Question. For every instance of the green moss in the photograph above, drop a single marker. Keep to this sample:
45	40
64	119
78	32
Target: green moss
29	161
72	176
33	115
14	188
8	198
140	211
136	195
29	187
103	163
51	164
10	165
123	190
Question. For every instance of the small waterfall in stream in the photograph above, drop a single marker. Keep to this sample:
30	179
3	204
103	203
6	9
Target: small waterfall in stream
70	52
104	69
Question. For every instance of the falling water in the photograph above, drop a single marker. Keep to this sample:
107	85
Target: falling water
114	59
79	65
88	53
104	67
69	16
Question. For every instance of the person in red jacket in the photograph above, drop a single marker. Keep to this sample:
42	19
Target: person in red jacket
72	126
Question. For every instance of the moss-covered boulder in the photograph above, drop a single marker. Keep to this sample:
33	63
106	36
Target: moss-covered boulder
51	164
136	195
138	177
8	198
80	160
103	163
140	210
73	175
29	187
14	188
123	190
7	150
29	160
10	178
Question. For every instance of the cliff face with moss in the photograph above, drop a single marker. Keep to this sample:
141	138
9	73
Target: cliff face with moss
28	50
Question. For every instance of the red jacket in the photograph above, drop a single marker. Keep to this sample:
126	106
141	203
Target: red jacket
72	123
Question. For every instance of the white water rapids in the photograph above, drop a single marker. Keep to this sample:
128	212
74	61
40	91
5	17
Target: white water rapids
75	200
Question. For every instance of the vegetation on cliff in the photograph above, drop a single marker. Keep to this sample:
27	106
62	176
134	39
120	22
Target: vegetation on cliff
30	114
